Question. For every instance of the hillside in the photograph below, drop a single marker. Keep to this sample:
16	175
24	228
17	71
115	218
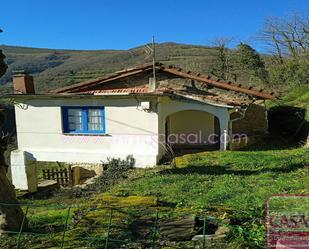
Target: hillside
227	189
55	68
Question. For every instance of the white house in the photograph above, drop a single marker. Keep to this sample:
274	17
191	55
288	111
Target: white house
130	112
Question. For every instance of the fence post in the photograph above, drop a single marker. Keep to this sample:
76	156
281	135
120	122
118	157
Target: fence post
70	172
21	228
204	233
108	229
61	177
65	227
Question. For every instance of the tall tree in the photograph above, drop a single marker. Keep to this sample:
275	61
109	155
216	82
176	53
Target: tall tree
10	216
248	59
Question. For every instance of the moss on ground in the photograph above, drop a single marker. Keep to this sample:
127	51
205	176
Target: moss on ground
107	200
217	184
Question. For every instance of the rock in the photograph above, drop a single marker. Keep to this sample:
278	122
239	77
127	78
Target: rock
46	188
81	175
177	230
226	221
87	182
222	230
216	240
208	237
212	240
48	185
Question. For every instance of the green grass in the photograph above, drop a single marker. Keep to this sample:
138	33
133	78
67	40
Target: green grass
238	180
228	184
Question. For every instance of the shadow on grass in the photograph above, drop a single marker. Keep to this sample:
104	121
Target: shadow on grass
288	124
225	170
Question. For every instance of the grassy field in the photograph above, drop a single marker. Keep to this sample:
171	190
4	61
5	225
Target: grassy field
237	180
228	184
233	184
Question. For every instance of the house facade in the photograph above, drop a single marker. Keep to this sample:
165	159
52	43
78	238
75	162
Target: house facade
131	112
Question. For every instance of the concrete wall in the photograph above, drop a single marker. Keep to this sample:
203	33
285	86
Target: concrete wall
196	126
129	129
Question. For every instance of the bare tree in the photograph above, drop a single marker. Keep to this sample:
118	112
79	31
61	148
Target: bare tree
287	37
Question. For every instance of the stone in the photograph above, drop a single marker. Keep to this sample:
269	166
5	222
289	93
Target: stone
222	230
48	185
80	175
212	240
181	229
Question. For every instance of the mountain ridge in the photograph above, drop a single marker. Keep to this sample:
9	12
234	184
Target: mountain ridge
54	68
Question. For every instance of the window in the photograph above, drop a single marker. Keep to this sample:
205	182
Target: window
83	120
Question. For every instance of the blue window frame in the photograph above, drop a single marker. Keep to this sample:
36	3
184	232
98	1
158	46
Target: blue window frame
83	119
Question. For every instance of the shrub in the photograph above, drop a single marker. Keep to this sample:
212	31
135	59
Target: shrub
114	170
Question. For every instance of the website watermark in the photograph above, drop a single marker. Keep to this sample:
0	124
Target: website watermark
194	138
287	221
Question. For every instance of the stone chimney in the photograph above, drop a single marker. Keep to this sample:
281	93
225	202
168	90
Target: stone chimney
23	83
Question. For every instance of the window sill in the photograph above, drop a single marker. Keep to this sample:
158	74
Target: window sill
87	134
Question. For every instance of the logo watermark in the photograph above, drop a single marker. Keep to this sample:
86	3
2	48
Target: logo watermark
287	221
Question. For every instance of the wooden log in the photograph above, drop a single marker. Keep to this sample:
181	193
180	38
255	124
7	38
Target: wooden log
181	229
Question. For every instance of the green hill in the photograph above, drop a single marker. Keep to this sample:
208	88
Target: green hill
54	68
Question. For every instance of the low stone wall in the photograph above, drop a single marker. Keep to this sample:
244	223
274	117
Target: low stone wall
254	122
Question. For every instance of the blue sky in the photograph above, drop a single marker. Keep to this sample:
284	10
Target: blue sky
123	24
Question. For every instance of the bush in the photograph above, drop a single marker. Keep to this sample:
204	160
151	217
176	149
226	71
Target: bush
291	73
114	170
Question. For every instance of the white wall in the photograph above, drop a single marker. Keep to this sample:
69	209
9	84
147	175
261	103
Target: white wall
129	129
